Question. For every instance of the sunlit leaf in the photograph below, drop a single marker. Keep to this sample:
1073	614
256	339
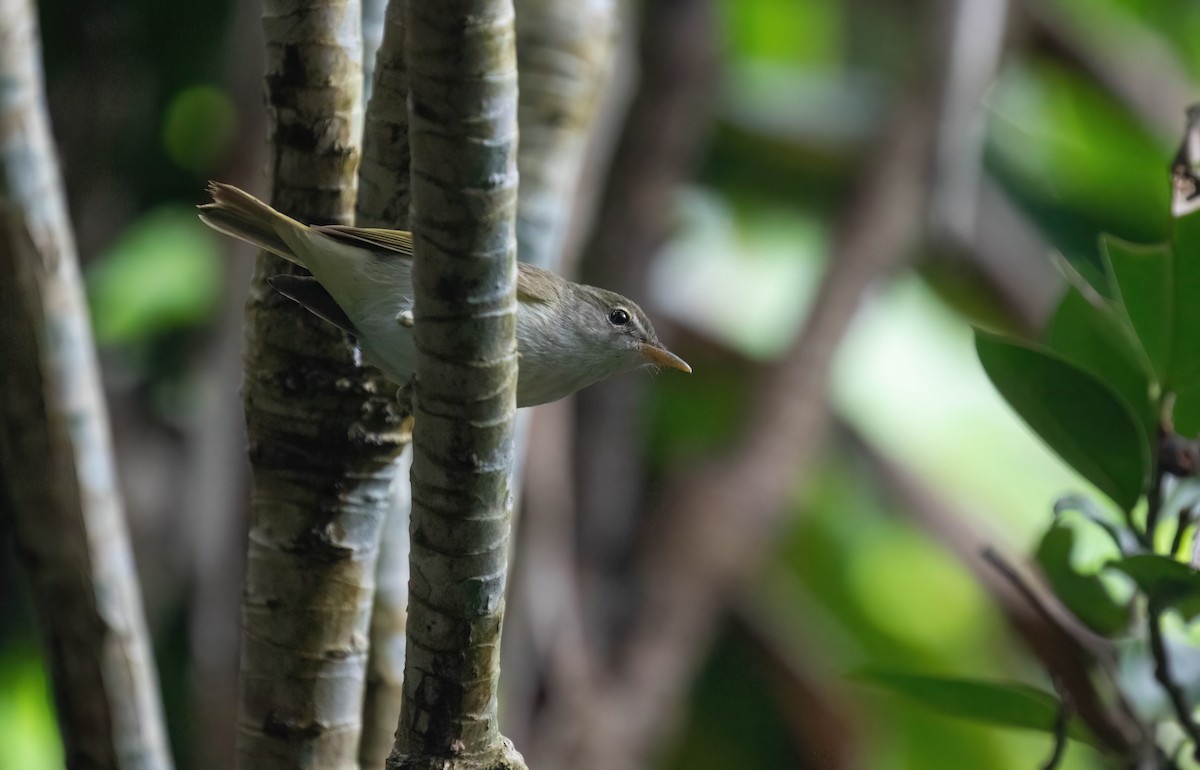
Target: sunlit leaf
1003	704
1145	282
1121	536
1170	583
1091	335
1077	415
1083	594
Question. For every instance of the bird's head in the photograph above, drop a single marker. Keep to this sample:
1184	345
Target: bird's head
571	336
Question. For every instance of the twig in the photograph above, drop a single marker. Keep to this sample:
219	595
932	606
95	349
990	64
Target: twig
1162	672
1181	524
1153	510
1018	582
1062	722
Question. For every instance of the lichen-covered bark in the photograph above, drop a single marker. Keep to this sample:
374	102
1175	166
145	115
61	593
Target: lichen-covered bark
383	201
564	54
463	133
59	488
323	437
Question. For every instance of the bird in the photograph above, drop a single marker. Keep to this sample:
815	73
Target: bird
569	335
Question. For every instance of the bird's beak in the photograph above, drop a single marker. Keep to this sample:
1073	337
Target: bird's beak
664	357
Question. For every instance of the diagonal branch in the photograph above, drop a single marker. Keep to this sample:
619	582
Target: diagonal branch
58	487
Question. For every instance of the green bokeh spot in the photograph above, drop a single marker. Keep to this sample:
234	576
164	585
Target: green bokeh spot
198	127
162	274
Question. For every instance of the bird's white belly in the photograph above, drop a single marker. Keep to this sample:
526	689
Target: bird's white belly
389	347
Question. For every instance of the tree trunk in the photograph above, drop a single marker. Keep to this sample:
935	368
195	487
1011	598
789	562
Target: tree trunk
58	487
463	133
323	437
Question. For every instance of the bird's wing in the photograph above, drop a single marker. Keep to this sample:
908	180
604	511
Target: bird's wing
311	295
535	284
383	242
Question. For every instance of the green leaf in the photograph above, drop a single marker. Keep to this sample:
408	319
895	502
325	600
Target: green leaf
1145	285
1121	537
1093	336
1004	704
163	273
1170	583
1186	412
1084	594
1077	415
1185	352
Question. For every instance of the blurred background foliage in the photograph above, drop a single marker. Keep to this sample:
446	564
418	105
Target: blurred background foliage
149	100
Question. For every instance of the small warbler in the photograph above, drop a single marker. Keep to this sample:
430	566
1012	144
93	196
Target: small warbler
569	335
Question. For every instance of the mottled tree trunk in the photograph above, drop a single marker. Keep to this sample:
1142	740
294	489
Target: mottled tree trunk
323	436
58	486
463	133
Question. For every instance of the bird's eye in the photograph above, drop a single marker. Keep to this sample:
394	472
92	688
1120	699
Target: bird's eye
618	317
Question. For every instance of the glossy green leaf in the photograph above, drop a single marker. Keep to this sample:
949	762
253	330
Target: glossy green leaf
1171	583
1094	337
1083	594
1003	704
1185	350
1076	414
1145	285
1186	411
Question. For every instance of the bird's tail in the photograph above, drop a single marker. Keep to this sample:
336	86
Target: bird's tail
238	213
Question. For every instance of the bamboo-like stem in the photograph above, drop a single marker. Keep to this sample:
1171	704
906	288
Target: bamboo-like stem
323	436
463	134
383	192
58	487
383	201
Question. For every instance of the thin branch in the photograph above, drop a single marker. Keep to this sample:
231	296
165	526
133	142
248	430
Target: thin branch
1184	711
1154	502
1186	516
384	197
1062	722
59	487
1069	651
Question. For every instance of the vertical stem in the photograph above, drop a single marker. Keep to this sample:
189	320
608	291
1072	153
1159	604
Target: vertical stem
383	201
59	486
564	53
1184	712
323	434
463	133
